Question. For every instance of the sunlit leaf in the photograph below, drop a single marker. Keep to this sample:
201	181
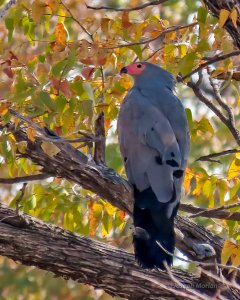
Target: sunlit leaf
223	16
234	17
50	148
234	169
61	34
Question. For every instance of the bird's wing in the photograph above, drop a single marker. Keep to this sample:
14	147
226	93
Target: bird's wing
148	146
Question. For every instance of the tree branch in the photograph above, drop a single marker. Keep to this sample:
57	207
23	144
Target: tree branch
91	262
76	20
99	150
170	29
216	213
127	9
209	62
23	179
235	133
7	7
217	154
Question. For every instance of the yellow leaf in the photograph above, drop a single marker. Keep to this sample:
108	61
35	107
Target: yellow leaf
234	169
234	17
125	82
50	148
97	209
223	16
53	4
93	223
4	107
109	208
200	180
187	180
61	34
22	146
236	257
31	134
227	251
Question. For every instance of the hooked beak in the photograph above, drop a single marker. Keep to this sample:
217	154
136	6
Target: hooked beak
123	70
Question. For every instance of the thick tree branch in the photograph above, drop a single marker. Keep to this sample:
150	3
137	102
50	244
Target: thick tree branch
82	259
152	3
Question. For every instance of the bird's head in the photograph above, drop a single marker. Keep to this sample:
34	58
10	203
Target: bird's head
145	73
134	69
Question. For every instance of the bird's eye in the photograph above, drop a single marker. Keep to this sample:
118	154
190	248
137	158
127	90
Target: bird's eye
139	66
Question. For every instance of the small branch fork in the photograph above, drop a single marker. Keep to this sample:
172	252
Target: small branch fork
228	121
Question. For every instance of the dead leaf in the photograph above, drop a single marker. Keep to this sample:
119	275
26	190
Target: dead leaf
50	148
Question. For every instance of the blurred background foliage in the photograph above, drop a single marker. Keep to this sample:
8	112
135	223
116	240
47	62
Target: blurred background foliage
60	65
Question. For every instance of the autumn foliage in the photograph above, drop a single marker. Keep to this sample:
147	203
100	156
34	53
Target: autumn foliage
60	63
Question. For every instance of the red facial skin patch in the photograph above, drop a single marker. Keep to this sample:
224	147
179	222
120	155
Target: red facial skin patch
135	69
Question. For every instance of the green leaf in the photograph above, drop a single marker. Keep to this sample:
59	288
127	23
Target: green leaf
202	15
10	26
61	102
138	50
187	64
47	101
58	67
205	126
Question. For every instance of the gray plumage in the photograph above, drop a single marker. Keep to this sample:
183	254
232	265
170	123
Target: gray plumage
154	138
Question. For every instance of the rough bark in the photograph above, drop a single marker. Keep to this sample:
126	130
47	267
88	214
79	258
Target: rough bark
30	241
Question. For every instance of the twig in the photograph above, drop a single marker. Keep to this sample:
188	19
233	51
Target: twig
209	62
170	29
49	136
99	150
178	284
82	27
219	99
217	112
7	7
219	213
24	179
177	292
198	263
19	199
127	9
221	279
217	154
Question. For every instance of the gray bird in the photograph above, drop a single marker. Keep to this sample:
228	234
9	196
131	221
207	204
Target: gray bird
154	143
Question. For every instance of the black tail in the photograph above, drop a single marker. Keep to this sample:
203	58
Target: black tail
152	227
